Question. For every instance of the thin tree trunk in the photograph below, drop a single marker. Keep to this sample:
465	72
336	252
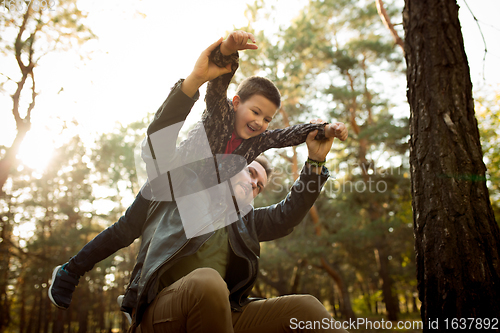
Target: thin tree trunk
456	236
48	312
58	322
68	316
22	310
365	292
332	301
23	125
414	304
83	310
32	318
391	302
346	308
297	271
407	303
5	235
102	310
41	311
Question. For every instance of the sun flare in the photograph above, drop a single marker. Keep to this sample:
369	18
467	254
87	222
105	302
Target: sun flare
36	150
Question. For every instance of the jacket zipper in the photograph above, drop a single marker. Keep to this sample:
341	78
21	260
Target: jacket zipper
248	261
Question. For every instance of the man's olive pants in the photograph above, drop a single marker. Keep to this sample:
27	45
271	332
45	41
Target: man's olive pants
199	302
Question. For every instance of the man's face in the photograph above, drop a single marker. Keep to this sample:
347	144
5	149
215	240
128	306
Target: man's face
249	182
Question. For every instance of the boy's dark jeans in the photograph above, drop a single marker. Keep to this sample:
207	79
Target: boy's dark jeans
119	235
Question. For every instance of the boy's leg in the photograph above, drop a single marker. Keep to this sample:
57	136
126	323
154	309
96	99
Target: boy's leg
117	236
293	313
198	302
65	278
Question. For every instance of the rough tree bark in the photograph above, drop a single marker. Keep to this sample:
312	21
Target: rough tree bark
457	238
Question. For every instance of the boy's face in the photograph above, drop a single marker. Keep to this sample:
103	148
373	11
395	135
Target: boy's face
253	116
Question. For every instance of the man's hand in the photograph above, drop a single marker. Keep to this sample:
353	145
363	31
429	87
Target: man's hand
204	70
318	149
237	41
337	130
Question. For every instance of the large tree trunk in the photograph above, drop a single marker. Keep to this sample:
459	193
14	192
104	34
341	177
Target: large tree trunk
457	238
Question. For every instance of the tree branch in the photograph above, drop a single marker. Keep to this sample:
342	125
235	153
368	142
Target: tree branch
387	22
284	156
32	104
18	43
22	253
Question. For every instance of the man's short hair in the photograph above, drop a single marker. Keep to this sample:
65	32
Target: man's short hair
256	85
262	160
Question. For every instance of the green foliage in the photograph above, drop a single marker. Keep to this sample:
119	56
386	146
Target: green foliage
488	118
60	29
114	156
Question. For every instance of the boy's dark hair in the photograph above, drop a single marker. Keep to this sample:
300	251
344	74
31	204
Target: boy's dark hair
256	85
262	160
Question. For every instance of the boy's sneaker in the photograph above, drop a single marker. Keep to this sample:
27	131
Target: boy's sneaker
62	287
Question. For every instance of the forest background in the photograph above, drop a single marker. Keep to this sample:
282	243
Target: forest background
75	173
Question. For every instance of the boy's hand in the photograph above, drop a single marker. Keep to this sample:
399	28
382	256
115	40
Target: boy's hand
204	70
236	41
318	149
337	130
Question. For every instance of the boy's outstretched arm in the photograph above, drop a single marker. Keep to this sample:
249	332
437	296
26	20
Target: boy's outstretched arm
289	137
336	130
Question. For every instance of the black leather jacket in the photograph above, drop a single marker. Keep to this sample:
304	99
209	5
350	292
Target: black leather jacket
164	242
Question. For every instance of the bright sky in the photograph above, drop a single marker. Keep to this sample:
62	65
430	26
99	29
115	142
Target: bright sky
145	46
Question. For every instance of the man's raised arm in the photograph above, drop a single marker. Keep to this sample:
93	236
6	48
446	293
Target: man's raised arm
278	220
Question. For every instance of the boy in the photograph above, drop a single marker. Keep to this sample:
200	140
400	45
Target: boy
236	127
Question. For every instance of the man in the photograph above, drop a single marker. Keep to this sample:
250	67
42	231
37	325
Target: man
202	284
213	297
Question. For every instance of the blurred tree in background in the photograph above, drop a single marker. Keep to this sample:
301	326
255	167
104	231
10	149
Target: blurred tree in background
82	191
29	32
